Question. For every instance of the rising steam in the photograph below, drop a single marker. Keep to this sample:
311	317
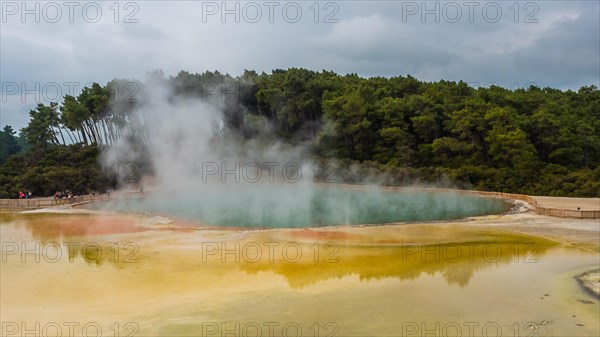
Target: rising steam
206	171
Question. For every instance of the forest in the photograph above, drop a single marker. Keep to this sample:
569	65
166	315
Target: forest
537	141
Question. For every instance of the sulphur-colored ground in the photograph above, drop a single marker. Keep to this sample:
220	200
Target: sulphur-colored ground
151	277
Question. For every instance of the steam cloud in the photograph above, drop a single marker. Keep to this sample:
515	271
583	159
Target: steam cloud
205	171
199	164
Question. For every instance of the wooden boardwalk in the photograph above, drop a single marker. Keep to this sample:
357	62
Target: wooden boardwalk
50	201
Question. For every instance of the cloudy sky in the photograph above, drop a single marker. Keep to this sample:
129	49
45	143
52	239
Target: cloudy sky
49	49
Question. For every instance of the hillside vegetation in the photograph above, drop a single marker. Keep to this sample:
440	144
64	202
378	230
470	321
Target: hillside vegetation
539	141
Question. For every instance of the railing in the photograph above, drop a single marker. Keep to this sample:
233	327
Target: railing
556	212
48	202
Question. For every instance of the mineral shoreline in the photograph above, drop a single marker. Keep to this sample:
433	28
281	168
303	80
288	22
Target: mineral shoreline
590	281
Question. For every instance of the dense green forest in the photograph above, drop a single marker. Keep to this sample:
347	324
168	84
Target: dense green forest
539	141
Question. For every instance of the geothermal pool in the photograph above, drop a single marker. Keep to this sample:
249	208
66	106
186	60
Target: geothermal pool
308	206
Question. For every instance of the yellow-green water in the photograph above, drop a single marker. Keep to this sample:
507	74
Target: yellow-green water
405	280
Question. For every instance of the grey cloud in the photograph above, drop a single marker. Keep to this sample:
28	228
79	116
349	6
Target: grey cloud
371	39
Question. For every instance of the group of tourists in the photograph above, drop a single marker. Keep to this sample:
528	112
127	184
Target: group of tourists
25	195
58	195
63	195
98	192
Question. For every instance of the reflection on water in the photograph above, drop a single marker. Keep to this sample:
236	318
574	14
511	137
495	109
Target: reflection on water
456	263
54	236
44	226
374	281
315	255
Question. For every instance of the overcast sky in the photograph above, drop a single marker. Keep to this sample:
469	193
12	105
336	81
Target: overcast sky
50	49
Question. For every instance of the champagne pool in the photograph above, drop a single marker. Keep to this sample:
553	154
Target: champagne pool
308	206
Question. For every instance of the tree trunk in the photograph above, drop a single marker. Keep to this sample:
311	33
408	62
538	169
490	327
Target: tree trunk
85	141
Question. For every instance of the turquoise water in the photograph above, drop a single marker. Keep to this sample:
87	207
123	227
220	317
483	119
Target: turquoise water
308	207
